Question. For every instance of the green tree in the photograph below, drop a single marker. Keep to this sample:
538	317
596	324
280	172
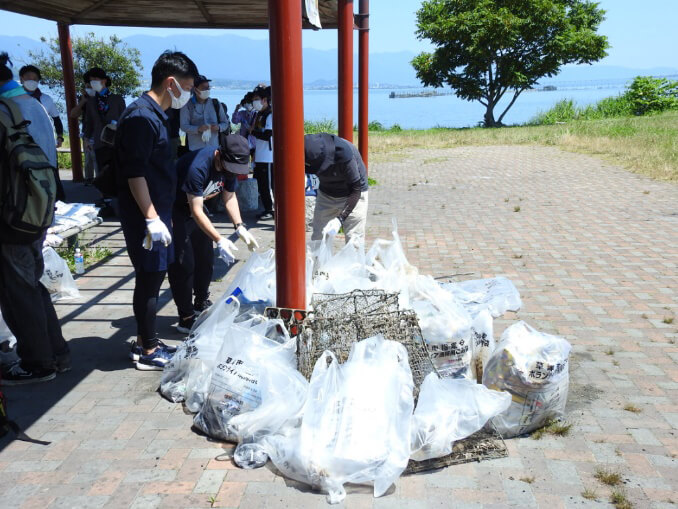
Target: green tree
651	95
121	62
486	48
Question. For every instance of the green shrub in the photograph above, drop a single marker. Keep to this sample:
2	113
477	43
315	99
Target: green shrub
563	111
651	95
396	128
375	126
64	160
326	125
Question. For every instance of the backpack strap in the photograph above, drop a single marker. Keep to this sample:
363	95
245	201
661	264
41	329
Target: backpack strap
16	119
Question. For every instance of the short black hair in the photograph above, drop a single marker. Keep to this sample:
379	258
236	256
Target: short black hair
86	77
172	63
30	68
262	91
5	71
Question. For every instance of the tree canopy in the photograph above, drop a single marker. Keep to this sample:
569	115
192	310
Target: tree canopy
486	48
121	62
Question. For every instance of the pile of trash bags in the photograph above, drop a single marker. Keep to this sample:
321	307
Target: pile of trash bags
358	422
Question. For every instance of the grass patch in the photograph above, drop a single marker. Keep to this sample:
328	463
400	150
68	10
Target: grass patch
630	407
556	428
91	256
589	494
668	320
372	182
528	480
609	351
619	501
325	125
516	208
608	477
647	145
615	362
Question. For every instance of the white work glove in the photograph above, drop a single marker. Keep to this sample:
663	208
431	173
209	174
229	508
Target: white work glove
156	231
332	228
206	135
226	248
247	238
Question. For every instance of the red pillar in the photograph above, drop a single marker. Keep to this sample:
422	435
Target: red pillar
363	78
288	153
69	88
345	21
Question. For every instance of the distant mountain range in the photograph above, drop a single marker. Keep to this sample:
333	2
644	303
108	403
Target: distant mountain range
238	62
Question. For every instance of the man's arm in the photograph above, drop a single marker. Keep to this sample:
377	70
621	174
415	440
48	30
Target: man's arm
353	180
232	207
185	122
195	203
139	188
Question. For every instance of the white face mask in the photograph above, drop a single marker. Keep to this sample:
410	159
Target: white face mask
248	107
96	85
30	85
203	94
256	104
89	91
179	102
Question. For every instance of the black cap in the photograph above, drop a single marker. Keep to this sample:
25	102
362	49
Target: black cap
200	80
318	152
235	154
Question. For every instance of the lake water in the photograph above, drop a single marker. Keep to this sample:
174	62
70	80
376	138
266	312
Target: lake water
425	112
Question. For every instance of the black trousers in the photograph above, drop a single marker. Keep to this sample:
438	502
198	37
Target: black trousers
145	304
193	263
27	307
265	186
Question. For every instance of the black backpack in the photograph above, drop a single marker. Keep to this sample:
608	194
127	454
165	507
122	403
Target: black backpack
28	184
222	135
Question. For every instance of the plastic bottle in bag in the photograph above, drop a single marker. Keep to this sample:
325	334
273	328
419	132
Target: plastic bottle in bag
79	262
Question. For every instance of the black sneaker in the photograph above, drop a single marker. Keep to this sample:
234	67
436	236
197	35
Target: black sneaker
200	306
17	375
63	362
184	326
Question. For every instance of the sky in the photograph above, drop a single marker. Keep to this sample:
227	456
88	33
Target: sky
642	33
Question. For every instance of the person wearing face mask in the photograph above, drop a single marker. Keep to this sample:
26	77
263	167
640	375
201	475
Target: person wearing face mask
202	119
147	182
103	108
244	114
78	112
203	175
30	79
262	130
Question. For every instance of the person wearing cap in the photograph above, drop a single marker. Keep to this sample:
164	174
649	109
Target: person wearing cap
202	175
203	119
262	130
102	109
342	194
30	79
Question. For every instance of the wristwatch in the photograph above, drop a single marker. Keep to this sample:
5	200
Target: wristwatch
239	225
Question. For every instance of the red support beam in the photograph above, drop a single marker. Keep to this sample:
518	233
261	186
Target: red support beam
345	33
69	89
363	78
288	154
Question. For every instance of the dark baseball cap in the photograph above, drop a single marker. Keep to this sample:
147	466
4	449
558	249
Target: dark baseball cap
235	154
200	80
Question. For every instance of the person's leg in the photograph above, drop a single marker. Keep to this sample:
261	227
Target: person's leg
355	223
326	209
181	271
261	174
203	253
89	164
145	303
24	310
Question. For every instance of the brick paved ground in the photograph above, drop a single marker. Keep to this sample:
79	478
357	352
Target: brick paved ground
593	250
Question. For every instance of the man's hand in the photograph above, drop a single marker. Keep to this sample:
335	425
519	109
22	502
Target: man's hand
214	127
156	231
226	248
332	228
203	128
247	238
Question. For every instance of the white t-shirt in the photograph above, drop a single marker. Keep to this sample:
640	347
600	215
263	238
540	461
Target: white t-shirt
263	153
49	105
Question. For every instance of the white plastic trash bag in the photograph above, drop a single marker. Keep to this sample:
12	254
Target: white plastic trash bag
356	422
497	295
449	410
482	343
342	272
256	280
235	382
533	367
57	277
195	357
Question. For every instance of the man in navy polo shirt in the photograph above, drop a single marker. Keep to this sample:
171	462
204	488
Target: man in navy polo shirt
202	175
147	188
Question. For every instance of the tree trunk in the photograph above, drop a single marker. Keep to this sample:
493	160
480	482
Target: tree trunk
489	115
